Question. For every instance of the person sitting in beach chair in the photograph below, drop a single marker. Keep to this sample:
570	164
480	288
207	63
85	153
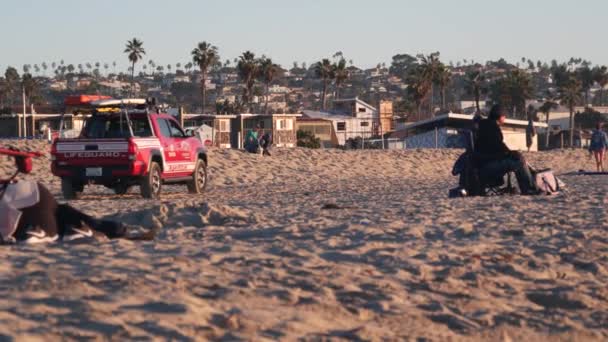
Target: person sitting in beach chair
483	167
470	181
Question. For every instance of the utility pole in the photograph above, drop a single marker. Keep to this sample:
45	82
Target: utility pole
24	118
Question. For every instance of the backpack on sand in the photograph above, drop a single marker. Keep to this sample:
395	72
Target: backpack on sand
547	182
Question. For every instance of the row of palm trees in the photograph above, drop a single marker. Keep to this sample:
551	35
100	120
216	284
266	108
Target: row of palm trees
427	73
205	56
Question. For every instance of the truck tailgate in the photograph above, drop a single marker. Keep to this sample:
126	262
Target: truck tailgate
87	152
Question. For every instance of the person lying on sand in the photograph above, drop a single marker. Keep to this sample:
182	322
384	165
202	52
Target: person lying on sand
30	214
493	157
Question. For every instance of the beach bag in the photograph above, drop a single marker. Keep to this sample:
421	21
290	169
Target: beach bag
547	183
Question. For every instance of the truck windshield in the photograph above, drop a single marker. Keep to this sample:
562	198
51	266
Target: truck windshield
112	127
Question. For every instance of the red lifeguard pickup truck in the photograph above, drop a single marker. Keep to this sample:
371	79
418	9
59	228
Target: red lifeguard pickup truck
122	144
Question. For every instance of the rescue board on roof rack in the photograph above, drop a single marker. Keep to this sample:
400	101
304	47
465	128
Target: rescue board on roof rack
118	102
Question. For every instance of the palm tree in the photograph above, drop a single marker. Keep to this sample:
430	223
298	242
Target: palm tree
135	51
475	85
268	72
431	65
248	69
324	71
341	74
570	96
204	55
443	79
418	87
600	75
546	108
521	89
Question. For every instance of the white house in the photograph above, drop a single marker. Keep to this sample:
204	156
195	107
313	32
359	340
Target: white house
351	118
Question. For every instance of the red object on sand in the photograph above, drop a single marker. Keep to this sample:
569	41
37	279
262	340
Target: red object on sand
79	100
23	161
16	153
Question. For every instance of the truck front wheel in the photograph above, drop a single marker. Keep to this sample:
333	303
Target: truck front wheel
199	178
70	189
151	184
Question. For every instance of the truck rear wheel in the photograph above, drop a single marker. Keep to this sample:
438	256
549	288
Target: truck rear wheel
70	189
151	184
199	178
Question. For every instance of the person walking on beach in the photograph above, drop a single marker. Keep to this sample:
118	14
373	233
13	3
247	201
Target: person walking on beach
265	143
530	133
598	146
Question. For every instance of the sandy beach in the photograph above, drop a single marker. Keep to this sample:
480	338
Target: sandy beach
322	245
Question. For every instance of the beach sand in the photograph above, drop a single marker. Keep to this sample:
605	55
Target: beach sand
323	245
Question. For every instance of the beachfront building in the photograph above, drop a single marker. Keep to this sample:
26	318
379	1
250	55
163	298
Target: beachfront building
213	130
282	128
444	131
351	119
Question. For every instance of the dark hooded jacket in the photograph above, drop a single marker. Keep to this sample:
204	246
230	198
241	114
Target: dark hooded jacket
489	145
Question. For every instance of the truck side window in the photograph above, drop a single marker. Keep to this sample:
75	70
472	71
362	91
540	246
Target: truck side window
141	127
163	125
176	131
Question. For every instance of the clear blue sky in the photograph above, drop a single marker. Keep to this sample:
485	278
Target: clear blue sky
366	31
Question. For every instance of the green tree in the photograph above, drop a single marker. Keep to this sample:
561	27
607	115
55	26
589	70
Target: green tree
546	108
512	92
12	80
341	75
268	72
475	85
418	88
324	70
307	139
248	68
600	75
443	79
586	77
401	64
570	96
430	67
135	51
589	118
